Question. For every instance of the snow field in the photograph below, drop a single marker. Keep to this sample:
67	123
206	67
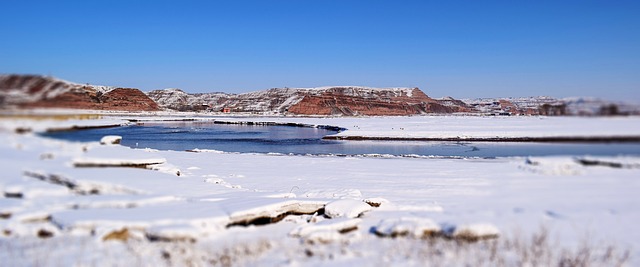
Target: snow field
337	208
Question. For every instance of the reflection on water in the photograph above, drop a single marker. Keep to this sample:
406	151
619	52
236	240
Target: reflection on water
300	140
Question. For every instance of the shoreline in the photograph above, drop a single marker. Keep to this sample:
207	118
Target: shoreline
80	128
550	139
342	134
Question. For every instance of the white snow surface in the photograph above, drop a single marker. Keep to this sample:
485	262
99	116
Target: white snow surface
348	208
475	126
216	194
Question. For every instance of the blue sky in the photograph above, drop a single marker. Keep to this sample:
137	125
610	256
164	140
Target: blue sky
447	48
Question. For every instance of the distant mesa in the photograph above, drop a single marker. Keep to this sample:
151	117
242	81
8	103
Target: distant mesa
367	101
36	91
333	100
549	106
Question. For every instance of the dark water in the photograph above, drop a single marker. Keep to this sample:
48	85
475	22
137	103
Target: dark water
300	140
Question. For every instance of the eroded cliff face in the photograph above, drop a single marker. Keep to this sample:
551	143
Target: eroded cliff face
370	102
35	91
336	100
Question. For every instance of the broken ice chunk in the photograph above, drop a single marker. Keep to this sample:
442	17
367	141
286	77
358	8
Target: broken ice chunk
111	140
349	208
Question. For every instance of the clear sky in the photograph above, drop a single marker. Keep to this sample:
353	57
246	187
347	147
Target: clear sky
454	48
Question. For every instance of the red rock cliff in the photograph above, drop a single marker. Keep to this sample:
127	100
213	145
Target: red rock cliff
34	91
334	100
351	101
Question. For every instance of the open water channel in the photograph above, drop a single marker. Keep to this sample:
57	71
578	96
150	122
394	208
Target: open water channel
305	140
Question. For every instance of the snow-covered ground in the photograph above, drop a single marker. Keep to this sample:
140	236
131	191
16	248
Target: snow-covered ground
213	208
474	126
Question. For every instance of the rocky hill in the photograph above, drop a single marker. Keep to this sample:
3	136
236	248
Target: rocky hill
35	91
333	100
178	100
549	106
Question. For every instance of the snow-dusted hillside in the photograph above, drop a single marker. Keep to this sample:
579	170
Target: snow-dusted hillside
261	101
511	105
596	106
176	99
328	100
36	91
545	105
358	100
18	89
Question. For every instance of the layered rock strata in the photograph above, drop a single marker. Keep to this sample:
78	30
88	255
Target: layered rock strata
35	91
336	100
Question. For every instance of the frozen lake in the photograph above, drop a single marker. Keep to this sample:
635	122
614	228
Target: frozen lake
303	140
